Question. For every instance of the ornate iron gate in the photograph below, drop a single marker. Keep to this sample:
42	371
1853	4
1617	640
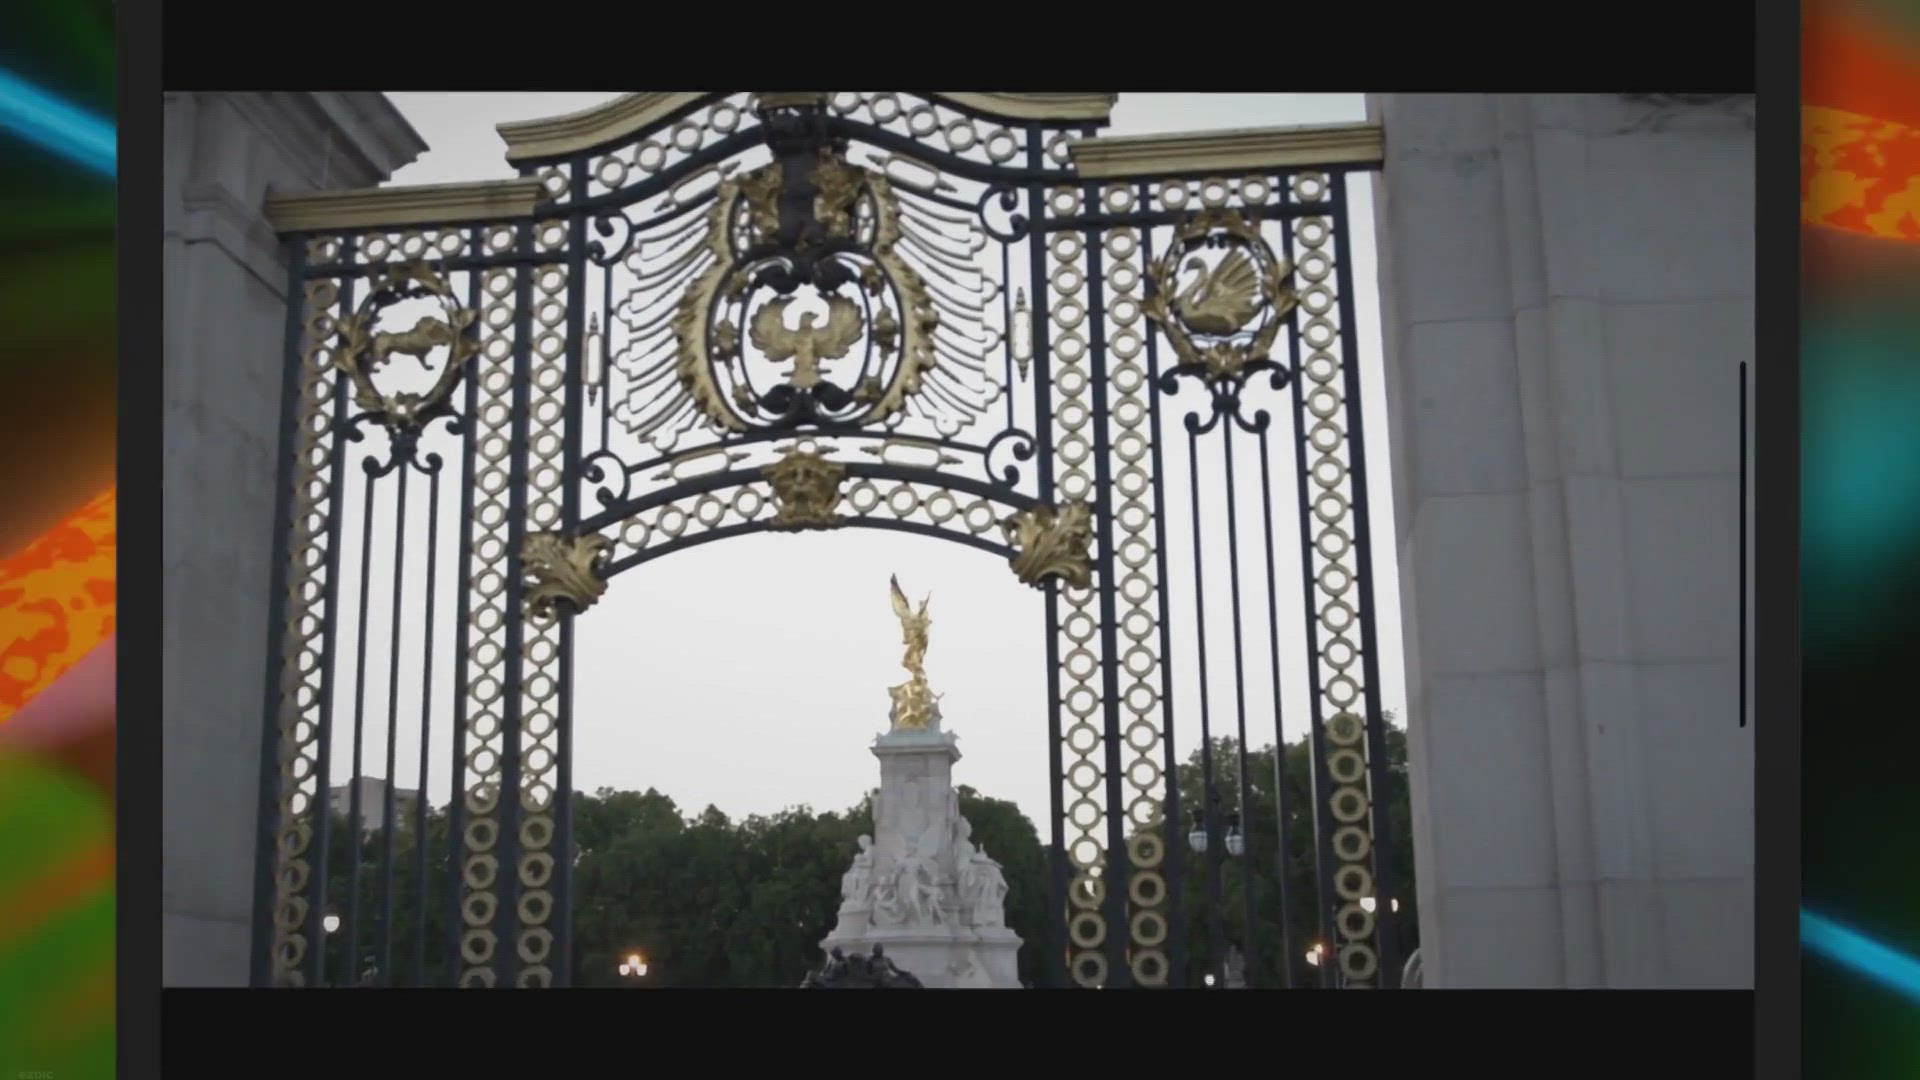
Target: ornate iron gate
1009	324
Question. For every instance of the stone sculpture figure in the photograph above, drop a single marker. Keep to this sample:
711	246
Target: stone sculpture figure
989	891
917	889
856	887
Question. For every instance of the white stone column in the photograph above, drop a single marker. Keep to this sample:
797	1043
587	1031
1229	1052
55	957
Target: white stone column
1566	293
223	353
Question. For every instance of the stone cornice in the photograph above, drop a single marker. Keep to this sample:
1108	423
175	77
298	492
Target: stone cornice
403	207
574	132
1229	152
377	130
354	138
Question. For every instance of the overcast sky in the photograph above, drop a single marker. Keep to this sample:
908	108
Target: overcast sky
752	674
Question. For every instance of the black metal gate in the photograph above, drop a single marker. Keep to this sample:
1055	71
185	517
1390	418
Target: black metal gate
1014	333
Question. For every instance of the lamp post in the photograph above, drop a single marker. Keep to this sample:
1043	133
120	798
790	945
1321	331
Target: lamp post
634	966
1234	843
1317	958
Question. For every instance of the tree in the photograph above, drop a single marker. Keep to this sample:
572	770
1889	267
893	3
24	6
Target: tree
1010	838
413	958
1257	871
713	902
716	903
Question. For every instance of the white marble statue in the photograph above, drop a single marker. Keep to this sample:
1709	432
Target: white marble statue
856	887
989	891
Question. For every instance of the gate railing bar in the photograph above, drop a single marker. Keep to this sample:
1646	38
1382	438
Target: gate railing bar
573	436
507	917
1171	838
1117	870
1245	858
1385	887
1147	219
420	838
292	373
463	573
322	809
1043	455
1209	805
355	811
1316	733
389	801
1280	772
747	528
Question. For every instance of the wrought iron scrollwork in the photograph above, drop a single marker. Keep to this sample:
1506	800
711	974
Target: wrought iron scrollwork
1022	448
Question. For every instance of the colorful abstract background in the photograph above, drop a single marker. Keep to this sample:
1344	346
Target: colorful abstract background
57	532
1860	537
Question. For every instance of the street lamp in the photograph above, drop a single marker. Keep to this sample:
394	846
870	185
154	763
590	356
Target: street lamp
1317	957
1236	841
1367	904
331	923
1200	840
634	966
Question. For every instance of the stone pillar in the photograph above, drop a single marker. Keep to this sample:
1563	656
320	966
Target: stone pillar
223	353
1566	294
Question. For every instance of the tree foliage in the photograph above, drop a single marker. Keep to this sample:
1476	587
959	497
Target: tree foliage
714	902
1257	869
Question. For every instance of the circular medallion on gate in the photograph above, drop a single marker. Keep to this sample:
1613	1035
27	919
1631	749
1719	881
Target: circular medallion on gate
1346	766
1352	882
1088	930
1149	928
1358	962
1090	969
443	339
1220	296
1351	843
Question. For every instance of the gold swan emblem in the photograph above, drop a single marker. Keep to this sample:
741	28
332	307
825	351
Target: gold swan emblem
1222	300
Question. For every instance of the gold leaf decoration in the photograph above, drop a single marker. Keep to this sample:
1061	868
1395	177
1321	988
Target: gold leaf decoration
1052	542
558	568
806	487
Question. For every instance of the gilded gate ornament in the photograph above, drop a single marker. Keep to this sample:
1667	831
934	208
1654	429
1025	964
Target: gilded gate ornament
365	349
1229	312
558	568
1053	542
806	487
809	227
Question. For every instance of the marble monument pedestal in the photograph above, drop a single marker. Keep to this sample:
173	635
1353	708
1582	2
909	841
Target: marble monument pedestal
919	887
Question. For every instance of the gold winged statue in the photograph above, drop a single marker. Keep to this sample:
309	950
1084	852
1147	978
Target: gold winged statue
915	706
807	345
1222	300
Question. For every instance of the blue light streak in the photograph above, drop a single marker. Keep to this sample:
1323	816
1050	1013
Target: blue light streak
45	120
1861	954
